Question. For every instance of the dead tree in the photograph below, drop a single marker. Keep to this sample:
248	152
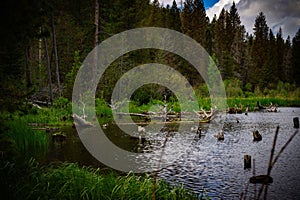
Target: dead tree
55	51
49	71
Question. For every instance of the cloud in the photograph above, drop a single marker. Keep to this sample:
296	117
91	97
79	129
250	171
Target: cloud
279	13
170	2
216	9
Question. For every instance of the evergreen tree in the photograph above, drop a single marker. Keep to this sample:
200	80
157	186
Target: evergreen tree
296	58
287	61
258	51
270	67
194	21
280	49
174	16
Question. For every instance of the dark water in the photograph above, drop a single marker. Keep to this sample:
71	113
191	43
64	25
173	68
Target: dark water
207	164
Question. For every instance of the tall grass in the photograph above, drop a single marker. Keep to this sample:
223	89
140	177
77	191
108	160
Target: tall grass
25	142
51	116
69	181
251	102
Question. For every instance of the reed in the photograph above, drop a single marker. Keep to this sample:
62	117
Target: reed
26	142
69	181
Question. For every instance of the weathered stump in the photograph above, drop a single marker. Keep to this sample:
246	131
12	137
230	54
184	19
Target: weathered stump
247	161
296	122
220	136
256	136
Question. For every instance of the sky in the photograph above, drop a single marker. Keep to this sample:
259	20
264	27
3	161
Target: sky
279	13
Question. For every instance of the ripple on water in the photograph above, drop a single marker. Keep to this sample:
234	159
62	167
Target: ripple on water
217	167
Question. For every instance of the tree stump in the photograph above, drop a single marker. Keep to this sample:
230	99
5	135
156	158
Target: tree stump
247	161
256	136
264	179
296	122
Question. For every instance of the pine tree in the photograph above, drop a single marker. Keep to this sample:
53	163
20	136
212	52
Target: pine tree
194	21
174	16
270	67
280	49
296	58
258	51
287	61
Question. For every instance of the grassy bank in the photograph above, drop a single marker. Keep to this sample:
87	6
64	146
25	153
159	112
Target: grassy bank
70	181
22	176
251	102
56	114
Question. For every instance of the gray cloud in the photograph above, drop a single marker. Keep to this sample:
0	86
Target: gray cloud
279	13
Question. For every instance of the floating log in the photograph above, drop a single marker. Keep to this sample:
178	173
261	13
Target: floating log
256	136
265	179
260	107
272	109
247	161
37	124
296	122
47	129
82	123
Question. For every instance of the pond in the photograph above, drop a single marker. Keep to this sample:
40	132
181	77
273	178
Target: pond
204	163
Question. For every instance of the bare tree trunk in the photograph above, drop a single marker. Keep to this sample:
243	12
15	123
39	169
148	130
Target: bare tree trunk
27	68
49	72
55	53
96	22
40	60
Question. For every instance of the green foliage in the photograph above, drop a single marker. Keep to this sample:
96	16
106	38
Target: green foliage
233	88
25	142
69	181
103	112
71	75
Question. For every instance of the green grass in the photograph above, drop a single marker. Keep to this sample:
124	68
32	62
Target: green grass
70	181
251	102
51	116
23	140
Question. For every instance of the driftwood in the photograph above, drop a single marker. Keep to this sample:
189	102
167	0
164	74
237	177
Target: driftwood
82	123
43	103
37	124
47	129
272	108
204	116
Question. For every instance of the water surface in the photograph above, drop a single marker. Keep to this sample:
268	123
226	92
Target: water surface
205	163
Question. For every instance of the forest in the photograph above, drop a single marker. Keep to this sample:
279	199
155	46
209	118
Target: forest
43	44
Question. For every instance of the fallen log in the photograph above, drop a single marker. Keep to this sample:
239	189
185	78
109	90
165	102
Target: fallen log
82	123
47	129
37	124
